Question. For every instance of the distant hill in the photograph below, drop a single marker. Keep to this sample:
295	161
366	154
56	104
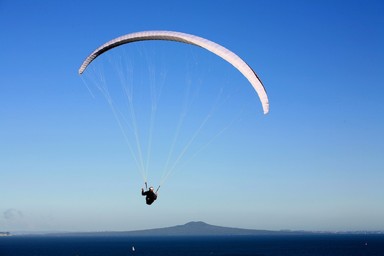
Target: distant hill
195	228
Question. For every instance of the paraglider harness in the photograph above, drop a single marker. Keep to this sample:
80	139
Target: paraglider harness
150	195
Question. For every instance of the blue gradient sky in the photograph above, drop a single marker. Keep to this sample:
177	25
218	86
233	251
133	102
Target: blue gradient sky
314	163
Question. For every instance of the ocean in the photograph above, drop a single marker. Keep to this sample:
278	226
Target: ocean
298	245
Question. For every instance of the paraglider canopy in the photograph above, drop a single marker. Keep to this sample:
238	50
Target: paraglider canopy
215	48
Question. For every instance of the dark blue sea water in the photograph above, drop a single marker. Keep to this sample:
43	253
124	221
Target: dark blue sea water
324	245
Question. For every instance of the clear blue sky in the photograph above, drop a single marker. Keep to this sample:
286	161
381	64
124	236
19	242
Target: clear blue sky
314	163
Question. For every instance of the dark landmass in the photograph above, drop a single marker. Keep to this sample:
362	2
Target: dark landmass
196	228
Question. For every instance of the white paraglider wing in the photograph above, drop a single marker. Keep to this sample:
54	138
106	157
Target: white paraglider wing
217	49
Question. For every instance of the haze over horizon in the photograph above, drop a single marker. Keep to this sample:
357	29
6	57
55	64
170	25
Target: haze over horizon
192	228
